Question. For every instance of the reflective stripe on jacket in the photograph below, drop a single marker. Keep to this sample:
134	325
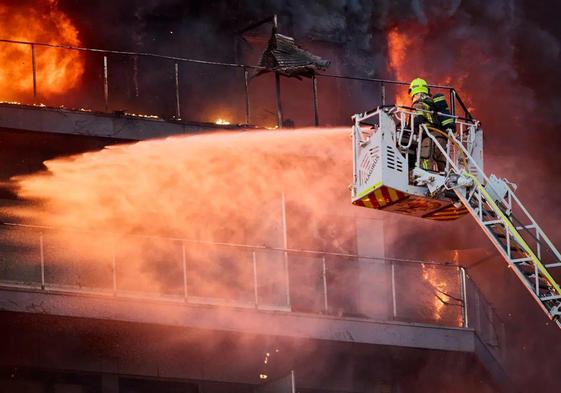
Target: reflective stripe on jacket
441	106
424	108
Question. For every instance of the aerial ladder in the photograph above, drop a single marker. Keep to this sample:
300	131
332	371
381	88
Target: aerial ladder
391	174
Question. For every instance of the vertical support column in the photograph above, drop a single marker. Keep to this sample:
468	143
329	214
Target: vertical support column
184	263
292	382
177	102
285	247
278	100
419	138
453	102
34	68
105	83
255	284
247	104
394	299
324	278
316	106
114	266
383	93
42	251
463	291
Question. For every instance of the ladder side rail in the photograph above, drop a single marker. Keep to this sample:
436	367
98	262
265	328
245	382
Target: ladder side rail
509	227
517	237
536	237
504	251
529	284
540	233
469	157
511	196
504	254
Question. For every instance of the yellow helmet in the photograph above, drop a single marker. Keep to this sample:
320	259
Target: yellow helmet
417	86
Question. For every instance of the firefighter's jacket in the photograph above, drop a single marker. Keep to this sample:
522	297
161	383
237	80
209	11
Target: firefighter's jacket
424	110
441	106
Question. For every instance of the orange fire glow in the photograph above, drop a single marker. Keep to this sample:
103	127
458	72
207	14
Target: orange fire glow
57	70
222	121
442	286
398	45
431	276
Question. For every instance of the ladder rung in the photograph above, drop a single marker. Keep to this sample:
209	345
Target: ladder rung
550	297
521	260
506	233
542	283
492	222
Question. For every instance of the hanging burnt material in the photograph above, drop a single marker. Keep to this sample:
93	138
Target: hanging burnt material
285	57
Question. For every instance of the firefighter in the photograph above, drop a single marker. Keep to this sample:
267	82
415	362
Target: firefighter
445	120
426	112
422	102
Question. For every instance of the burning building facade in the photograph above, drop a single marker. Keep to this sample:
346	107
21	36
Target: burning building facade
233	265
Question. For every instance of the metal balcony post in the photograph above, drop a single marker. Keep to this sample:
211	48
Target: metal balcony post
177	102
184	263
324	278
453	102
42	252
246	90
463	290
34	68
255	284
114	266
383	92
394	300
285	246
316	107
105	83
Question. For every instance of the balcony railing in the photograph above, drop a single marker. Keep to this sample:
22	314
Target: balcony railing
178	88
248	276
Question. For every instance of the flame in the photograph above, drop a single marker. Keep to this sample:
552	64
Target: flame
57	70
222	121
398	45
431	276
442	286
408	58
